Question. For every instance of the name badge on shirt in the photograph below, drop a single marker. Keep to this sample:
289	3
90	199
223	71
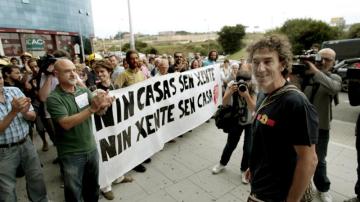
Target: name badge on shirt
82	100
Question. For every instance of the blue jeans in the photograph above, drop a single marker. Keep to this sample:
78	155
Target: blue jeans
81	176
23	155
231	143
321	180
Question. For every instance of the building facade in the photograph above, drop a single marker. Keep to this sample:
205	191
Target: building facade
42	26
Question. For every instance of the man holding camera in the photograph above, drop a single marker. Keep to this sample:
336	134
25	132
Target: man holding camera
321	89
240	95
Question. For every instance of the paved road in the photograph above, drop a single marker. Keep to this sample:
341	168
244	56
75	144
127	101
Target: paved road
344	111
182	170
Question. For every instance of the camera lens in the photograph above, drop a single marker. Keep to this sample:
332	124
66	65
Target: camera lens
242	87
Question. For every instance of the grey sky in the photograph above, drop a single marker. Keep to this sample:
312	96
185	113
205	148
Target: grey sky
153	16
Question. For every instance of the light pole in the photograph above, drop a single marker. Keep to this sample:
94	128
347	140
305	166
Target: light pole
80	33
207	34
120	43
132	40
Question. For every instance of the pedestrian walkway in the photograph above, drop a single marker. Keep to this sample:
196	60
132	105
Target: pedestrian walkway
182	171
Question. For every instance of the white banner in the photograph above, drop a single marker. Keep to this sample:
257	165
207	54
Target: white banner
148	114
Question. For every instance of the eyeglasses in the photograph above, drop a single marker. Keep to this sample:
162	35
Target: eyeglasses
327	59
178	56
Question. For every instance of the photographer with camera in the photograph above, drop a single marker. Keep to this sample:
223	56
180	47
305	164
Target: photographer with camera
240	94
321	88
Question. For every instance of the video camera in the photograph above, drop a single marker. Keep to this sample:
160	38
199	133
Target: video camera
300	66
44	63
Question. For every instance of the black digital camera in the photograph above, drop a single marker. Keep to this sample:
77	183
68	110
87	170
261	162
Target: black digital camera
241	82
300	66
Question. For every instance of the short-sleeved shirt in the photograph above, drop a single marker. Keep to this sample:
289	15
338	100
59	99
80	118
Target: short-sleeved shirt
287	121
208	62
19	127
129	77
80	138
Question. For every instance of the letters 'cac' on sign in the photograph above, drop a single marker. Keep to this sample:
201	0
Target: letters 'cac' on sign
35	44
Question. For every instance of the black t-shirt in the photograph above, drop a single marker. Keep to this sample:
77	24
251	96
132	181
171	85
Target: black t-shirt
290	120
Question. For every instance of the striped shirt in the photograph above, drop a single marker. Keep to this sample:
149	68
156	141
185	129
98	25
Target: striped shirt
19	127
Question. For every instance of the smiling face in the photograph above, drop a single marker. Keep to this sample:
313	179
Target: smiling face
103	74
267	69
195	64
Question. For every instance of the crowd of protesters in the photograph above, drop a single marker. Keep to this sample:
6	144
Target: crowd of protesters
57	95
53	95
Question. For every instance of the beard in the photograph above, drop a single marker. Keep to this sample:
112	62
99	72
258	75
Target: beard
73	81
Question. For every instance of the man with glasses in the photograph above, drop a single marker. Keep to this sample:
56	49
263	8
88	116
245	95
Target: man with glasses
179	66
321	89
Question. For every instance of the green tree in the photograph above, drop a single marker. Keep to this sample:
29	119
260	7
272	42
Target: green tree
182	33
302	33
139	45
151	50
230	38
354	31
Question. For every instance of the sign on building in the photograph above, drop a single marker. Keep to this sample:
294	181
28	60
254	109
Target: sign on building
34	44
77	49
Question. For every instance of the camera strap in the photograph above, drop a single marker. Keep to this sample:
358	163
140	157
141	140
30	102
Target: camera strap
275	96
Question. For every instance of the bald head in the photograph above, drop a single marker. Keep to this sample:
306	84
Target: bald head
60	63
328	52
327	59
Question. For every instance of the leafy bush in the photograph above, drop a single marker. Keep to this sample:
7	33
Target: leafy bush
230	38
354	31
303	33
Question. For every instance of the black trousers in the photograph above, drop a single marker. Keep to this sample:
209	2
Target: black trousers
321	180
357	142
231	143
